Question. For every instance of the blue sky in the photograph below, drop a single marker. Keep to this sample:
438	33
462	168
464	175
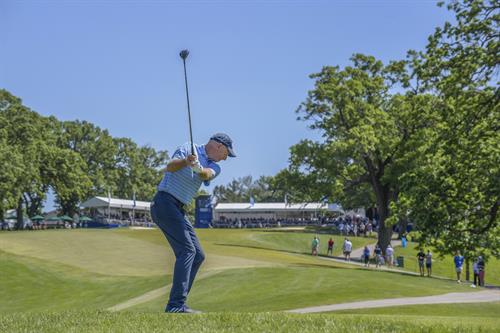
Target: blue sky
116	64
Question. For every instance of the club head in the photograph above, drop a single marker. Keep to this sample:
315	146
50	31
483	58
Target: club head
184	54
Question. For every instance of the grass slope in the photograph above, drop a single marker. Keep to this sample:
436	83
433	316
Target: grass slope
59	270
30	284
282	288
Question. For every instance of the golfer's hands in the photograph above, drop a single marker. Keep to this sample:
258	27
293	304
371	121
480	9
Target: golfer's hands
193	162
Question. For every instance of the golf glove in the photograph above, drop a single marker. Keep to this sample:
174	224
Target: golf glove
197	168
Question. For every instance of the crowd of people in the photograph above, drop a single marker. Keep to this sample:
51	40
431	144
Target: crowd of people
478	269
344	225
263	222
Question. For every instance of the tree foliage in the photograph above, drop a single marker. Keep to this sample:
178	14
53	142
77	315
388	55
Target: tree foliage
453	191
75	159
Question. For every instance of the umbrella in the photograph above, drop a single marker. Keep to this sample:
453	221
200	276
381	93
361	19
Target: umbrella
66	218
54	218
85	219
37	218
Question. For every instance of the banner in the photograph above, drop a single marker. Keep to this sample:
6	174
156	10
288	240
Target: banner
203	211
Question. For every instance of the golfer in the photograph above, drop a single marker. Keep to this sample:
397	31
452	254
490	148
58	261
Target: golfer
183	177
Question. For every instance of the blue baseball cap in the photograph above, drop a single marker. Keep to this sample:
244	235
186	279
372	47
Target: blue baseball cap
226	141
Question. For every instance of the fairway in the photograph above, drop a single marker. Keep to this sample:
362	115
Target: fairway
245	271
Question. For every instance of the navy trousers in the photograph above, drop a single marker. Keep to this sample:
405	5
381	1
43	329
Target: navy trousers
168	213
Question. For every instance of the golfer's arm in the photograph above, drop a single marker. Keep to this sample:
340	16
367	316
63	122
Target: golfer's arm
175	165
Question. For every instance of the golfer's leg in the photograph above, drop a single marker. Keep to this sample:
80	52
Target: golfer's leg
171	221
198	258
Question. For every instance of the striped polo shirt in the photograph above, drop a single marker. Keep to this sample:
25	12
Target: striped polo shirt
184	183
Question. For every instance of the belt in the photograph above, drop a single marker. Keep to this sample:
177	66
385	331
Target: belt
177	201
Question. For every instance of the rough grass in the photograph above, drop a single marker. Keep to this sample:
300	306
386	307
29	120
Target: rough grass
98	321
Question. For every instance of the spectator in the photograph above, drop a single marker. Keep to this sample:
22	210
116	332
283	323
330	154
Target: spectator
331	242
377	253
389	255
366	256
315	245
421	258
362	229
347	248
369	228
459	262
428	263
481	268
475	269
403	242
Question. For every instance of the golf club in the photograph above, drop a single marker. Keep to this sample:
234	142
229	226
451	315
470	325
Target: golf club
184	54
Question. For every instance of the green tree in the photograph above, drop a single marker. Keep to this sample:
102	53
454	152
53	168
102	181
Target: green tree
367	116
138	169
24	136
241	189
98	160
452	193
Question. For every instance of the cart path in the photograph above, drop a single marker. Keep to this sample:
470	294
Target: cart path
153	294
469	297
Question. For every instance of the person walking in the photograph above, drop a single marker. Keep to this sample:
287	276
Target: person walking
184	174
428	263
347	248
459	262
475	270
377	253
315	245
369	228
389	255
331	242
366	256
420	259
481	267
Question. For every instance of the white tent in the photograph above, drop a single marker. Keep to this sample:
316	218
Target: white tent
268	210
103	202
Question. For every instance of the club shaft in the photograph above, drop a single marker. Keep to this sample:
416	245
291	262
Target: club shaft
189	108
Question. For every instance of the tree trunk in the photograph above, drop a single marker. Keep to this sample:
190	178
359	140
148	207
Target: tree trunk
403	223
384	232
19	213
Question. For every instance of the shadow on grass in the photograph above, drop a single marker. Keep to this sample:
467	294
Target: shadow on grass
260	248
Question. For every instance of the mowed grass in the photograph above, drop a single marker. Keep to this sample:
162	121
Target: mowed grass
100	321
246	271
444	266
284	288
29	284
96	269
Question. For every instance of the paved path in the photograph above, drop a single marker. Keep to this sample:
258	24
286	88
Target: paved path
153	294
471	297
357	253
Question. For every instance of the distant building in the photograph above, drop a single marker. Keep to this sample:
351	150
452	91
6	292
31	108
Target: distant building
271	210
104	209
